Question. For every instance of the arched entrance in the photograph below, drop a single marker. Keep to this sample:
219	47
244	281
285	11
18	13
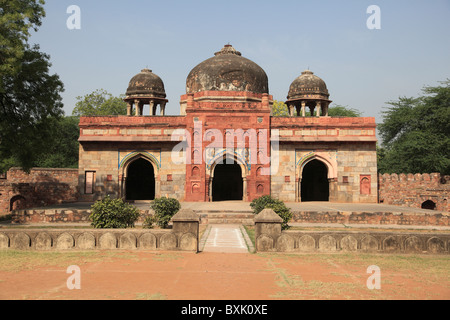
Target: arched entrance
227	183
140	180
429	205
17	203
315	185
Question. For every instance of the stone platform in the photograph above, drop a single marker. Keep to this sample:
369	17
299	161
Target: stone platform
238	212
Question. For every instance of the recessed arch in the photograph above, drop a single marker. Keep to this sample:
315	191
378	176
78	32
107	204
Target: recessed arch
330	164
139	178
429	205
314	182
228	179
17	202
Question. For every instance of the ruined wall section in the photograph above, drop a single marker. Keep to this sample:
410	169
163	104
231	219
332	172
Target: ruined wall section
41	187
415	190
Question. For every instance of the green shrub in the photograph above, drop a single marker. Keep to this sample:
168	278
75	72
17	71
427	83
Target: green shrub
284	212
260	203
165	209
113	213
149	222
276	205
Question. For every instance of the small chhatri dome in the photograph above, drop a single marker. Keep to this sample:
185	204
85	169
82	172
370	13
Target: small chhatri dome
146	83
227	71
145	88
308	85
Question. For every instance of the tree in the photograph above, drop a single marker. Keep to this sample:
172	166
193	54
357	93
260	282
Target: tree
415	133
100	103
280	109
17	17
29	95
64	148
343	111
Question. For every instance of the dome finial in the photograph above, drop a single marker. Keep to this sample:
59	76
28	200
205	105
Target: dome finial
228	49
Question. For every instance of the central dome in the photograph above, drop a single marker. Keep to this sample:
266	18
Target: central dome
227	71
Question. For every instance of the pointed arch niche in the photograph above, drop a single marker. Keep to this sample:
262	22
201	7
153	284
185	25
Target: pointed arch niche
326	173
139	177
228	179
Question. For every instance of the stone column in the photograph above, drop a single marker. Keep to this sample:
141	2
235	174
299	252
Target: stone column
152	104
291	110
129	108
325	112
267	230
136	104
138	107
303	109
163	108
319	108
186	228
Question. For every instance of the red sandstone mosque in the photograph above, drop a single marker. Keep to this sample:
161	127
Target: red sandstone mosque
225	144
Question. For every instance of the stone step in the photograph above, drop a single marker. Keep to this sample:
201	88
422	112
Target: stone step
226	217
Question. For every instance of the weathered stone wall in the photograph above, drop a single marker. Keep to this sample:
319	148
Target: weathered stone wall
55	216
270	238
412	190
183	236
90	239
334	241
109	161
377	218
41	187
347	164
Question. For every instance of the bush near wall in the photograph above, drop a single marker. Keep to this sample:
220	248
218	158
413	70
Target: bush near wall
113	213
278	206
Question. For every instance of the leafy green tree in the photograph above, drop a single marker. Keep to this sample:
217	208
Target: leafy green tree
280	109
415	133
343	111
29	95
100	103
64	148
17	18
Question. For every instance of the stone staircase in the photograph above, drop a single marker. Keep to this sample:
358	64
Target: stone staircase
244	217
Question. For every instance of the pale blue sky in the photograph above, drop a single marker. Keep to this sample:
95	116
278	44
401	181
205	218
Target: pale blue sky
362	68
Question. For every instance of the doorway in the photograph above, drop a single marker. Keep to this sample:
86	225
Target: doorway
140	181
227	182
315	185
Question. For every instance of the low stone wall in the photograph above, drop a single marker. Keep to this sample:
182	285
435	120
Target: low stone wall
183	237
60	216
270	238
380	218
